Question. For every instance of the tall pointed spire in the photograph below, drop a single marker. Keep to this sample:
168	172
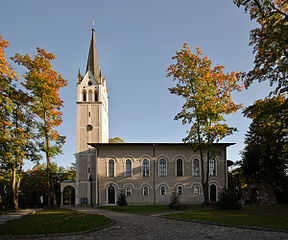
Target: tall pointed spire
92	63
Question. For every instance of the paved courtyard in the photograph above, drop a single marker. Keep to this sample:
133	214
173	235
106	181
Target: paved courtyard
132	226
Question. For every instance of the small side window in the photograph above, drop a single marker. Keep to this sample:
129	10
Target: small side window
128	191
163	190
145	191
180	190
84	96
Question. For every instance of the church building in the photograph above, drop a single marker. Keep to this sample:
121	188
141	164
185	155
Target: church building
147	172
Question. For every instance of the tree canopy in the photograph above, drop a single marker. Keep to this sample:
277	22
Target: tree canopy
266	152
270	42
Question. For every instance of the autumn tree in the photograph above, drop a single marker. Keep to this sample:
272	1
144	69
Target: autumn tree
207	93
266	151
16	126
7	76
269	40
19	144
43	85
116	140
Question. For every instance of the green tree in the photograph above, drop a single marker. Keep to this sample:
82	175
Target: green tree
121	199
269	40
207	93
43	85
265	157
34	182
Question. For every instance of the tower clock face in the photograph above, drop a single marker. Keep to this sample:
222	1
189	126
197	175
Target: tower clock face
89	127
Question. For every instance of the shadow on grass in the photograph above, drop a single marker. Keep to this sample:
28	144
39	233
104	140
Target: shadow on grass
272	217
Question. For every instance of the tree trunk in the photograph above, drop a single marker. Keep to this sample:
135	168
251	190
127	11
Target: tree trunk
50	183
207	178
203	179
17	185
14	190
3	196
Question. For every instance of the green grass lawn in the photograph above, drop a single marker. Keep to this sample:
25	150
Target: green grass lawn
59	220
146	208
274	217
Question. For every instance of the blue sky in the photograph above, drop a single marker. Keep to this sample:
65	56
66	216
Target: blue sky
135	42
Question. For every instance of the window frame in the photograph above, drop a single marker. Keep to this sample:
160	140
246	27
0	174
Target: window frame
161	187
180	187
128	160
145	173
163	170
214	169
109	168
96	96
199	189
145	187
128	191
198	174
84	96
182	167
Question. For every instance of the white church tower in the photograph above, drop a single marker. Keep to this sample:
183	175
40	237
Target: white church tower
92	122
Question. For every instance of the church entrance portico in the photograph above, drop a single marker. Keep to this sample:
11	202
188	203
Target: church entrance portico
67	189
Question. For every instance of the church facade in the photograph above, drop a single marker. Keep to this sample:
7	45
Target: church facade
146	172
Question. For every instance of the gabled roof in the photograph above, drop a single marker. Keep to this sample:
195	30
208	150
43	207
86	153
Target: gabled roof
93	63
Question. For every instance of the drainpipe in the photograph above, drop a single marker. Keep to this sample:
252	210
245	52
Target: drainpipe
97	176
225	170
154	174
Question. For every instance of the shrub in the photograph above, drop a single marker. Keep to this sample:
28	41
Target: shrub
121	199
174	200
228	200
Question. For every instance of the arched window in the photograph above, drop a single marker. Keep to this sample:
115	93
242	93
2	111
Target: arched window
96	96
145	191
180	190
196	168
196	189
128	191
90	96
162	190
84	96
111	168
179	167
162	168
145	168
212	169
128	168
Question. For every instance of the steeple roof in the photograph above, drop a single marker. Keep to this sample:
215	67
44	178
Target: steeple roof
92	63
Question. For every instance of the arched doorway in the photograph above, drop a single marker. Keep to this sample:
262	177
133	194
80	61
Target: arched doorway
213	197
68	195
111	195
